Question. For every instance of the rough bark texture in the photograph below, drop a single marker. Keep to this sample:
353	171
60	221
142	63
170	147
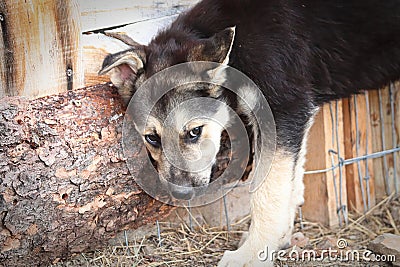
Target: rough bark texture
64	184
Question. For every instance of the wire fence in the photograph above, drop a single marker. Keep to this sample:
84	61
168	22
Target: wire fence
362	161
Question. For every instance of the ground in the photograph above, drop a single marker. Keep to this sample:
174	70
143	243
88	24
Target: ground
180	246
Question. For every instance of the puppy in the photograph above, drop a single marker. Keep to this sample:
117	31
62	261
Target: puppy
300	54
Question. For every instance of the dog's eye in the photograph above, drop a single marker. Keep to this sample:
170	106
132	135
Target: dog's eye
153	139
195	133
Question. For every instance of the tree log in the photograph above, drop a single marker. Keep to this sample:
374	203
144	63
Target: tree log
64	184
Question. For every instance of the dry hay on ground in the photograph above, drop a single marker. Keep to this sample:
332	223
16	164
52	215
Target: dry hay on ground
179	246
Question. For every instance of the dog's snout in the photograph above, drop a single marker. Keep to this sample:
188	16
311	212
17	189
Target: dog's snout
184	193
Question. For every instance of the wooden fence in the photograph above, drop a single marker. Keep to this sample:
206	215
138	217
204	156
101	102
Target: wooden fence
51	46
353	158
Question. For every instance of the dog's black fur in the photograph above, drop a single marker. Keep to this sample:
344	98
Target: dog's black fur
300	53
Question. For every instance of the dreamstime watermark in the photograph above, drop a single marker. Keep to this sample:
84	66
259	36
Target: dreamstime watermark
172	100
341	254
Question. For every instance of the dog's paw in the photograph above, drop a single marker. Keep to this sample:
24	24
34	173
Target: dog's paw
232	259
239	258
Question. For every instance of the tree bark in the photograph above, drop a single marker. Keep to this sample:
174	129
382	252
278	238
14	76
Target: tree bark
64	184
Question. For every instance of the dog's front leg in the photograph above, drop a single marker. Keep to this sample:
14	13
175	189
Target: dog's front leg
271	214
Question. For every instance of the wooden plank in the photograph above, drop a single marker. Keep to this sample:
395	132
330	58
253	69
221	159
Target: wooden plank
322	194
40	47
396	160
358	142
104	14
380	143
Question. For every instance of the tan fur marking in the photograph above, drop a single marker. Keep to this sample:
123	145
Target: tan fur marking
153	126
269	206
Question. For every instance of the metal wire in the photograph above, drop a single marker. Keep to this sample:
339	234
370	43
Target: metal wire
228	224
343	207
335	142
367	133
359	171
383	140
159	234
355	160
127	242
190	216
394	141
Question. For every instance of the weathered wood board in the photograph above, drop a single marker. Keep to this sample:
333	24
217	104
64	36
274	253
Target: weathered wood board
40	51
358	142
325	194
102	14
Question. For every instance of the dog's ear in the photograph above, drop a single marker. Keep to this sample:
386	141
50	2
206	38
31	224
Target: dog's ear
217	48
126	66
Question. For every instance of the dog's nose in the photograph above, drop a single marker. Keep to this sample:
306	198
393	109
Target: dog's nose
185	193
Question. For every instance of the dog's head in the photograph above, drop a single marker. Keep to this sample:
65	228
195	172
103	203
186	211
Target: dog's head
182	144
130	68
182	136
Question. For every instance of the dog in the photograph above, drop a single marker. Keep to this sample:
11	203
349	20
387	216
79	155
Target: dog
301	54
